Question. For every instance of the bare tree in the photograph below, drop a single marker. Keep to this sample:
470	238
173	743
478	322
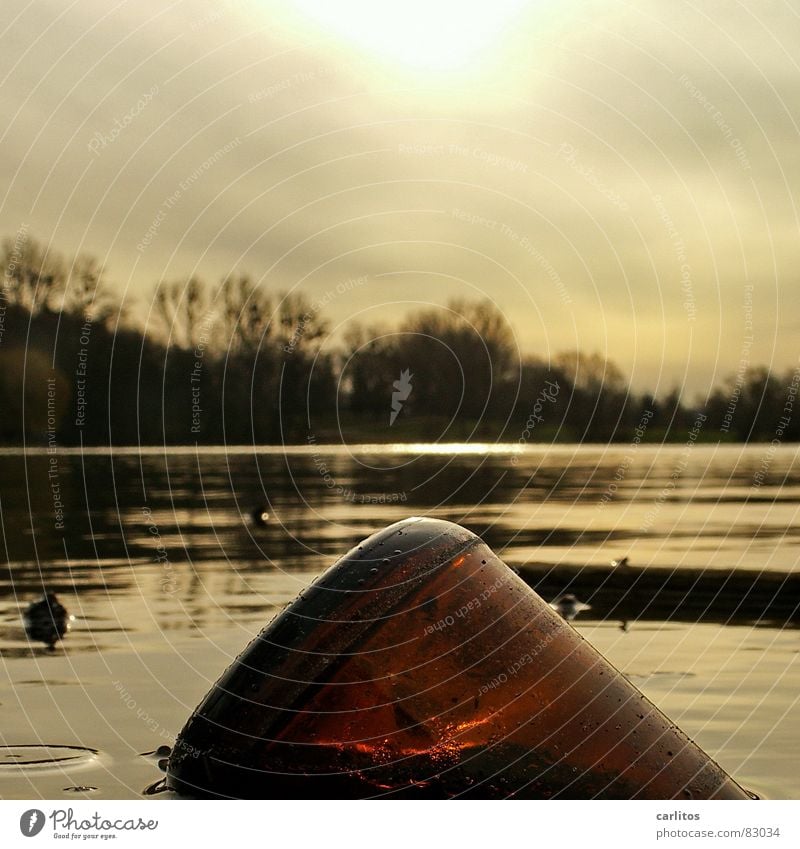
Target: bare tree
298	324
86	291
33	275
185	311
599	397
590	372
462	355
244	313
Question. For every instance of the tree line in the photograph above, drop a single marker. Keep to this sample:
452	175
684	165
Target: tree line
235	363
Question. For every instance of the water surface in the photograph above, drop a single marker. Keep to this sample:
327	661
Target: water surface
157	556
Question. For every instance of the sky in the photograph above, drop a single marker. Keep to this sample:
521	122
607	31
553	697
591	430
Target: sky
616	177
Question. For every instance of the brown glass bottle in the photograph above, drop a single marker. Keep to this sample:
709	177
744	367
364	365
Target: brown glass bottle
420	665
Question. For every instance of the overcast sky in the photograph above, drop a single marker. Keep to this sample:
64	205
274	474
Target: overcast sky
613	175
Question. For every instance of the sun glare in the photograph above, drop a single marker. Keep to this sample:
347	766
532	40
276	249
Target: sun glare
423	35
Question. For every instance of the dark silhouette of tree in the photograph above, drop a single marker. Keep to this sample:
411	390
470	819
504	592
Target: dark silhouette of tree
371	362
87	293
598	405
750	405
184	311
34	275
242	364
461	356
539	382
460	365
245	311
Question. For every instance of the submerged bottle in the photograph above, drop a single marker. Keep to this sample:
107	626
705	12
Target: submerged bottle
420	665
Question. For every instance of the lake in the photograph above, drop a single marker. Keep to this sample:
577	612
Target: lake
157	556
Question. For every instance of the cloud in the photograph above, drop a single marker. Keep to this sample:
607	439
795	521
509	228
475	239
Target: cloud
544	182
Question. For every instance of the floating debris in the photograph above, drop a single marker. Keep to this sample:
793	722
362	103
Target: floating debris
260	516
442	675
569	606
47	620
160	752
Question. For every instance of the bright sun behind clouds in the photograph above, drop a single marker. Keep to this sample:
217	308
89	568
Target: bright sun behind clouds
421	35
